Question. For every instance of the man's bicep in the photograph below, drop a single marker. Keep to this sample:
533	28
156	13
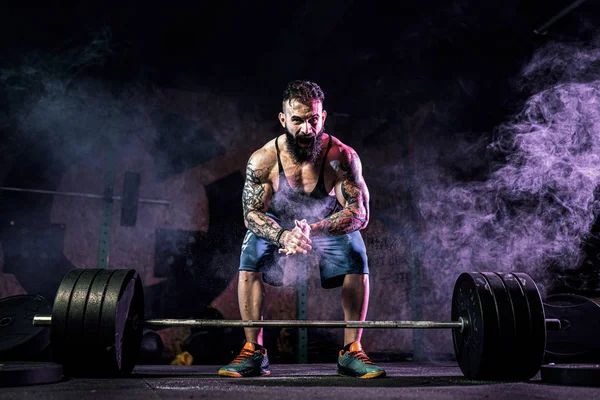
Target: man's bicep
351	192
256	192
351	185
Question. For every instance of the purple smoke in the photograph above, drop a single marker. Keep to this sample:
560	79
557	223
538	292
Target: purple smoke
535	209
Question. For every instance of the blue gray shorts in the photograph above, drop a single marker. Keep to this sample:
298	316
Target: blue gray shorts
338	256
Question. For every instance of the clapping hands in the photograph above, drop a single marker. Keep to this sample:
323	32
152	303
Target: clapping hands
297	240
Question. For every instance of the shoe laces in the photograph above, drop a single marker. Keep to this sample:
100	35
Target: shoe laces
362	356
245	353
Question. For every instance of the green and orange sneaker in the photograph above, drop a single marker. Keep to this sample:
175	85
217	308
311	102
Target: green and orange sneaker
355	362
250	362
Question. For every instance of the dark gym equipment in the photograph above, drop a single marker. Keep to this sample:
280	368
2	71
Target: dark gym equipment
571	374
19	338
151	347
95	317
543	29
129	201
505	322
29	373
577	340
496	318
131	198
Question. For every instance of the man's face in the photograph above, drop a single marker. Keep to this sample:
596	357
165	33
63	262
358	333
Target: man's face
304	125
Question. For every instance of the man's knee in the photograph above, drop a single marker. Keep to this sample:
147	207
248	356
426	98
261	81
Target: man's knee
250	276
356	278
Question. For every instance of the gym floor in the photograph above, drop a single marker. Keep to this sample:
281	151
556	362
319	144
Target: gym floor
298	381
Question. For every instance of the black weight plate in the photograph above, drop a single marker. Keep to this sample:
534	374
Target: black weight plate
505	325
29	373
60	311
133	331
77	346
19	339
123	302
81	342
91	331
571	374
475	346
111	358
522	326
577	341
537	340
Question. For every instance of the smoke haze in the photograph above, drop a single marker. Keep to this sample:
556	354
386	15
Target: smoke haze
534	207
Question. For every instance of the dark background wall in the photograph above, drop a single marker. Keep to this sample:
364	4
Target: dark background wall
478	139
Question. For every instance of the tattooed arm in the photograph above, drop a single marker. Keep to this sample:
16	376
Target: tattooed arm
256	195
352	193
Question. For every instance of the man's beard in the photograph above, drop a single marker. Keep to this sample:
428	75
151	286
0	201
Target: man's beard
304	154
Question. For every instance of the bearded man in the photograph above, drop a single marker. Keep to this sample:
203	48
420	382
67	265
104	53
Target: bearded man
304	192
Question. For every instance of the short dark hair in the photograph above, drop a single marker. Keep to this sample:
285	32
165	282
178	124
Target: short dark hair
303	91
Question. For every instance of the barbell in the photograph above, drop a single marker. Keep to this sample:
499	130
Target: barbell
97	323
81	194
130	199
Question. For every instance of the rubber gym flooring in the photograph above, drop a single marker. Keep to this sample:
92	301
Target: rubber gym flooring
406	380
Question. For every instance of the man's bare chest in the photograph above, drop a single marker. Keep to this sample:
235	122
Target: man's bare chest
303	178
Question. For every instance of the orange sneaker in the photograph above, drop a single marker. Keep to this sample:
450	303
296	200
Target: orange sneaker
355	362
250	362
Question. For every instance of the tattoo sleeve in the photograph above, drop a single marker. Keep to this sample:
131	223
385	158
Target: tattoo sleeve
354	215
253	201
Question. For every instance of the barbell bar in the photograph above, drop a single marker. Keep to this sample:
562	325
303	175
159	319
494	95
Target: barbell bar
85	195
130	199
553	324
496	318
46	320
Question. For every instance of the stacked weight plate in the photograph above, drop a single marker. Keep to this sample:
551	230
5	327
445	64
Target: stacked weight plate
94	329
505	333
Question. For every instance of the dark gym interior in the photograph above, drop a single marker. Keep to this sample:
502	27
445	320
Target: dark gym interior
125	132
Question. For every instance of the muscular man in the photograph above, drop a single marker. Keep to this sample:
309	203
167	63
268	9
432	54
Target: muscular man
304	192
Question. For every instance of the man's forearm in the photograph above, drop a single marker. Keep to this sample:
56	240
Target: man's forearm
263	226
345	221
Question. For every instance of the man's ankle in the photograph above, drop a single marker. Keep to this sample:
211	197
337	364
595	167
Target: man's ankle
256	345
